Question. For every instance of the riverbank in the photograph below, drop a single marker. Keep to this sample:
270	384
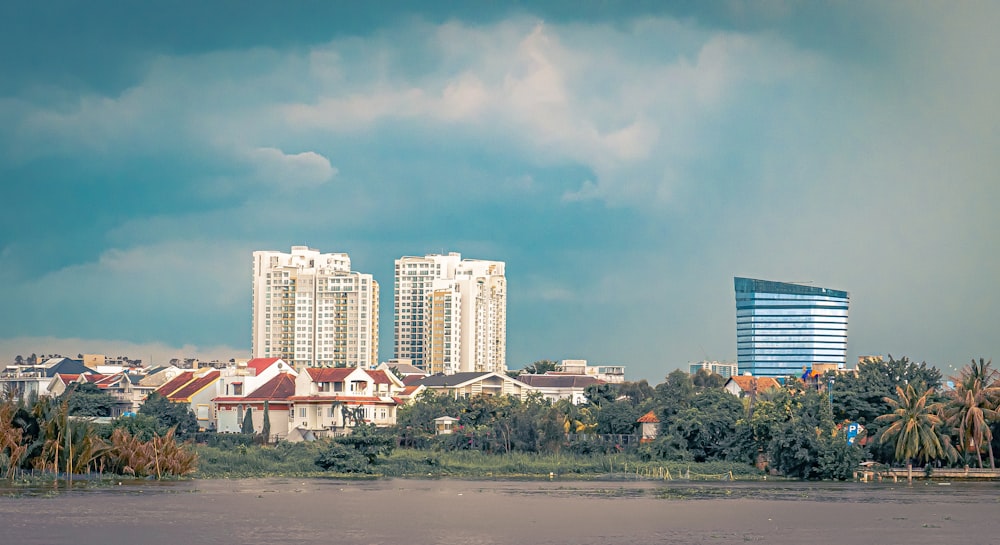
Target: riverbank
307	511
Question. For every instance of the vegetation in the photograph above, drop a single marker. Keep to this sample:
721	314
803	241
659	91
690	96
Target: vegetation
45	437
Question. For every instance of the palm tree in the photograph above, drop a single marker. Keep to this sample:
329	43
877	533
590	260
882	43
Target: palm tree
972	407
914	426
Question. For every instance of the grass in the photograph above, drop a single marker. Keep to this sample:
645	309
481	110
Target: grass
297	459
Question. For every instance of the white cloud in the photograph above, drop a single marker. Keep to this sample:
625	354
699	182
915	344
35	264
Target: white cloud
306	169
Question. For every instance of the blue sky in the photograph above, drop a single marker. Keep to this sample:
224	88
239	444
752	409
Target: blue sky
625	159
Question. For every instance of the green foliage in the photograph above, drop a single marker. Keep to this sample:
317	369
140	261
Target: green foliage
86	399
913	426
341	458
169	415
265	430
539	367
369	441
247	426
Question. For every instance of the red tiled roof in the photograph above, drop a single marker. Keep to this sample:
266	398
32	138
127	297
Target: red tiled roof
193	387
360	400
261	364
649	418
411	380
763	383
175	383
278	388
94	377
328	374
408	391
67	378
379	377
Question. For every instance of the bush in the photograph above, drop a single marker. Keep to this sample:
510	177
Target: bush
342	459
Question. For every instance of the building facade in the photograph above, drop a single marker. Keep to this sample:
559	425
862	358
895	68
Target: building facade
725	369
451	314
784	328
311	310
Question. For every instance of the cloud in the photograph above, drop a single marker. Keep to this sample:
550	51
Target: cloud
306	169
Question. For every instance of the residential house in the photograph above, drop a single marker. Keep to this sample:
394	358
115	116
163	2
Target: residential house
196	388
743	385
276	393
247	376
556	386
329	401
26	381
471	384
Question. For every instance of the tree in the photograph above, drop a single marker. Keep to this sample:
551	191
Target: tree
539	367
707	379
972	407
913	426
86	399
265	430
169	414
247	427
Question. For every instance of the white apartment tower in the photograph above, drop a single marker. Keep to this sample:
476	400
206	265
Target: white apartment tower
451	314
312	310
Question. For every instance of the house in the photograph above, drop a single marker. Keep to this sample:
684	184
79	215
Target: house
276	393
556	386
158	376
744	385
402	368
471	384
26	381
329	401
197	389
649	427
247	376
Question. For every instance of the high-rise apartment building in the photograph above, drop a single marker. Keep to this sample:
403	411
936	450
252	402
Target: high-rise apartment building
451	314
312	310
782	328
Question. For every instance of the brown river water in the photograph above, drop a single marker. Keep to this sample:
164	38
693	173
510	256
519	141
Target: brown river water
415	512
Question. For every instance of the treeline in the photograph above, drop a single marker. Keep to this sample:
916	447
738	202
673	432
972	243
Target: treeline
800	429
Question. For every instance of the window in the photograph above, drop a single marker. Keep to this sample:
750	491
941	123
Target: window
302	412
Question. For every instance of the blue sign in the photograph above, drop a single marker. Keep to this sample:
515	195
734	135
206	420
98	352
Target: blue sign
853	430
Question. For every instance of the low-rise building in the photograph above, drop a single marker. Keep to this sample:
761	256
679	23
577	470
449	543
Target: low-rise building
556	386
471	384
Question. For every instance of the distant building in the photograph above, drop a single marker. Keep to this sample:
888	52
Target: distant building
783	329
311	310
451	314
725	369
612	374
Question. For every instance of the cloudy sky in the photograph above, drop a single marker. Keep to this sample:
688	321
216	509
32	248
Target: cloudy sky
625	160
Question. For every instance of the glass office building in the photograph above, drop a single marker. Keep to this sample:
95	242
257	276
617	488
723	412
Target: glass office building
782	328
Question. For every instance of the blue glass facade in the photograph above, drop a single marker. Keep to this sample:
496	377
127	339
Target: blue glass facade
782	328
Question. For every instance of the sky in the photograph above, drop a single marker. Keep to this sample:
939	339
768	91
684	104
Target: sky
626	160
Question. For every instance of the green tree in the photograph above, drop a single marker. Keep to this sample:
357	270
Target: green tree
539	367
86	399
797	445
972	407
707	379
369	441
247	427
169	414
265	430
914	426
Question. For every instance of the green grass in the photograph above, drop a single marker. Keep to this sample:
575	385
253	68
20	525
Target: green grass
297	459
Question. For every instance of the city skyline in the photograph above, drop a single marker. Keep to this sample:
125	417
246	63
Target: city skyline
624	160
